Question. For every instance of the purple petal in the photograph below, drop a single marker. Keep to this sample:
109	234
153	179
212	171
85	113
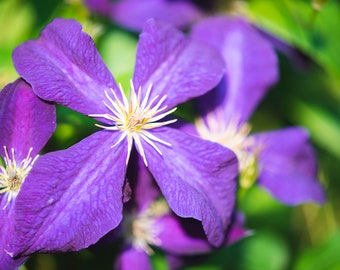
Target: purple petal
144	187
100	6
131	258
26	121
64	66
237	231
6	233
8	263
288	168
71	198
133	13
190	238
182	236
197	178
251	65
174	65
186	127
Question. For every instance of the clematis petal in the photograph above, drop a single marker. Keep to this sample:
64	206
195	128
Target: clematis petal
190	238
131	258
143	186
237	231
26	121
72	197
174	65
250	61
197	178
102	7
64	66
287	165
133	13
6	261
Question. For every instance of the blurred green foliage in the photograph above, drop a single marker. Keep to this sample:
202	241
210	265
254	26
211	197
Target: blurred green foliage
308	94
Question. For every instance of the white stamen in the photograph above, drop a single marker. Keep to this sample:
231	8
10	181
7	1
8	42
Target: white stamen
134	117
231	135
143	227
146	96
12	175
151	143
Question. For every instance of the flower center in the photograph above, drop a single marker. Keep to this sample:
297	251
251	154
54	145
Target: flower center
135	123
135	117
13	174
143	229
234	137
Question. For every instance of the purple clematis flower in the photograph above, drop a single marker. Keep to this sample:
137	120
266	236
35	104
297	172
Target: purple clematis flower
149	223
283	160
196	177
132	14
27	123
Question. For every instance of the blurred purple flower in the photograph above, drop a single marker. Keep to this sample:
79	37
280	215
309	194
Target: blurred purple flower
132	14
196	177
282	161
27	123
149	223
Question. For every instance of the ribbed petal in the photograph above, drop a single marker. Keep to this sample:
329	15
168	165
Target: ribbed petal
64	66
26	121
133	13
197	178
250	61
71	198
174	65
8	263
288	168
6	232
131	258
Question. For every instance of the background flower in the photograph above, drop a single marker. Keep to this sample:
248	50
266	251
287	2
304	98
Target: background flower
133	13
283	161
27	123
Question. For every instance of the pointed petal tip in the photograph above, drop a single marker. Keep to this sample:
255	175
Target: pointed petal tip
209	194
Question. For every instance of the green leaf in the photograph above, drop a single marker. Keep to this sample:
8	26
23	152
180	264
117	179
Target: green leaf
263	250
16	21
323	256
118	49
315	32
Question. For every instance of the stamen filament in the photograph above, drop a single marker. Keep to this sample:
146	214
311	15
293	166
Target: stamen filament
154	138
107	127
156	124
135	116
140	149
121	138
151	143
145	100
12	175
158	117
125	101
